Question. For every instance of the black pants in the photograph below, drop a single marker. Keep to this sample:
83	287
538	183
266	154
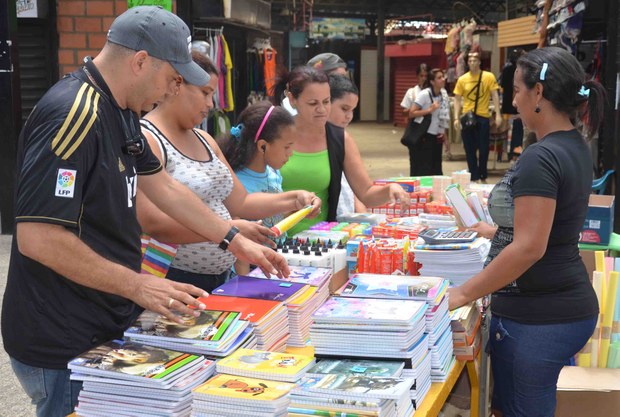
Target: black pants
422	157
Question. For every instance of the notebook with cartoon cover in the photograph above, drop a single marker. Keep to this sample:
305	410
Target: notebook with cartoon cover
262	364
243	389
134	361
210	328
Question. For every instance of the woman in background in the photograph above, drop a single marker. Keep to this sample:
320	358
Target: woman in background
425	157
543	306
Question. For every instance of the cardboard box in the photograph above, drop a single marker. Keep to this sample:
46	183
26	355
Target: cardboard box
599	220
588	392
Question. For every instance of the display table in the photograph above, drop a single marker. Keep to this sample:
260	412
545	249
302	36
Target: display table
438	393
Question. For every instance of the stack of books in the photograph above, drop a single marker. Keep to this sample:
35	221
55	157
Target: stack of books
295	296
335	394
234	396
300	310
213	332
269	319
122	378
466	336
442	357
431	290
370	328
285	367
456	262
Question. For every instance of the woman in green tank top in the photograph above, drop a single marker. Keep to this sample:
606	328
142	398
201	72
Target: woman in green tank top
319	156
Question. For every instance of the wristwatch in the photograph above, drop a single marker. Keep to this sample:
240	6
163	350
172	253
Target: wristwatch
228	238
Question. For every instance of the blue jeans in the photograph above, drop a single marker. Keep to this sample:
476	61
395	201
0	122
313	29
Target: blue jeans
476	140
526	360
207	282
49	389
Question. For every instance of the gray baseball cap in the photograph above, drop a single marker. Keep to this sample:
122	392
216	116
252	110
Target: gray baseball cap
162	35
327	62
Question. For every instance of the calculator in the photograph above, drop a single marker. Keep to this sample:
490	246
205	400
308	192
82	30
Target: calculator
440	237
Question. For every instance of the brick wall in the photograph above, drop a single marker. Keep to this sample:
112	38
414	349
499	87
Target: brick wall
82	26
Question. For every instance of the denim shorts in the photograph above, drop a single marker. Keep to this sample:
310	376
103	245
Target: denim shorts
50	390
526	360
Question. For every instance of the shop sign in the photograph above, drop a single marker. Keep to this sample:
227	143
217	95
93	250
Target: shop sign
166	4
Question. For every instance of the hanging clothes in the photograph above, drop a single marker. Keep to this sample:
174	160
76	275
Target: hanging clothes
230	100
269	69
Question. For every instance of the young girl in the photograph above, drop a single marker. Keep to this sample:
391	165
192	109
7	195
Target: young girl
259	145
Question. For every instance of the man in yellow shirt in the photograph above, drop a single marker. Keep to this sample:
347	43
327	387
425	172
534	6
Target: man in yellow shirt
476	139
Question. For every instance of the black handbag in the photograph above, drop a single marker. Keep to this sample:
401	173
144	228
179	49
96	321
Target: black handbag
468	120
414	132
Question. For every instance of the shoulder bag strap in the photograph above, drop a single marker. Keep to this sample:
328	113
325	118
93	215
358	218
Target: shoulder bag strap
478	91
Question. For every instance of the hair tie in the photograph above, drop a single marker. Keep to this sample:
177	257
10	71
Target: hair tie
235	131
584	92
263	123
543	71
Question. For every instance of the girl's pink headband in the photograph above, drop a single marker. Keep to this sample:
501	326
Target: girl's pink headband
264	122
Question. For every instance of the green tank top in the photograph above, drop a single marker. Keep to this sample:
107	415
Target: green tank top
310	172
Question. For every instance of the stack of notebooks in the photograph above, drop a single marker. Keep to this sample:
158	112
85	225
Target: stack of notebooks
466	336
295	296
234	396
213	332
456	262
370	328
431	290
442	357
123	378
420	373
269	319
439	337
285	367
339	394
300	310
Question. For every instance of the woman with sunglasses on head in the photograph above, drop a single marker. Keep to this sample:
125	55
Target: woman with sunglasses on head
323	152
543	306
192	156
